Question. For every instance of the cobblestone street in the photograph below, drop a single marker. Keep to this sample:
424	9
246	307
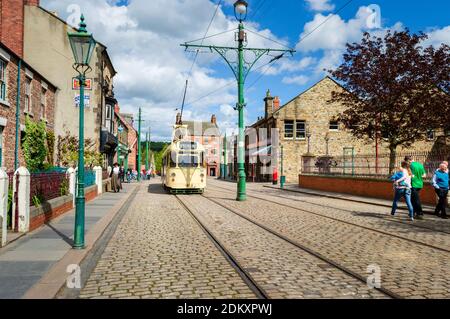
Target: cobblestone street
288	245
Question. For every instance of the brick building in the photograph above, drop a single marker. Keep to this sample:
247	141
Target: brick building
132	140
206	133
40	38
37	101
310	114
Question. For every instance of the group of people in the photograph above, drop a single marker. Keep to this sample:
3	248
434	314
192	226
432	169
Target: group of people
118	176
408	182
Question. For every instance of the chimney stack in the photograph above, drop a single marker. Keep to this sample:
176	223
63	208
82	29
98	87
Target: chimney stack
268	101
276	103
213	119
32	3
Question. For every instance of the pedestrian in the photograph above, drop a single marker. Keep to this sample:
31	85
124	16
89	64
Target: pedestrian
419	173
115	179
402	186
441	185
122	175
149	174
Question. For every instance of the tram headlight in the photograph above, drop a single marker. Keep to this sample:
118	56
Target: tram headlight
202	175
173	175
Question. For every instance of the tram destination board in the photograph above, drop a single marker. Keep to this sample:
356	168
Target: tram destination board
188	145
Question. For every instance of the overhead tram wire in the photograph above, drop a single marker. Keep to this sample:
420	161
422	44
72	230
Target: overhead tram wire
196	54
261	4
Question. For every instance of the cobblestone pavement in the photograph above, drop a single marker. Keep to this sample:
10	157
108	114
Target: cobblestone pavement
408	269
432	231
159	251
281	269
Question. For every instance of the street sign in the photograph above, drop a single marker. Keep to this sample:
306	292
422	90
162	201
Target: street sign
87	100
76	84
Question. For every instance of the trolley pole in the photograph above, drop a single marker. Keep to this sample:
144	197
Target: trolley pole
139	146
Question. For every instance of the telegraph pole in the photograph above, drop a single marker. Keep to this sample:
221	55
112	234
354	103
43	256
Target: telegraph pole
146	151
240	69
139	145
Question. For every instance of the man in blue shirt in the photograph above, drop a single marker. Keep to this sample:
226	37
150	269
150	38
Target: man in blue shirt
441	185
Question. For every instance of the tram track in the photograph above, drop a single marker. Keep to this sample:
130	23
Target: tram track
259	292
302	247
347	222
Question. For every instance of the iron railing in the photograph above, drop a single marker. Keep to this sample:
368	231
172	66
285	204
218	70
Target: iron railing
370	165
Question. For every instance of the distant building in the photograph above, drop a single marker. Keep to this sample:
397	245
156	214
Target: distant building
208	134
37	101
132	140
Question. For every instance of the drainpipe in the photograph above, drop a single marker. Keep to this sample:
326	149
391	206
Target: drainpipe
16	150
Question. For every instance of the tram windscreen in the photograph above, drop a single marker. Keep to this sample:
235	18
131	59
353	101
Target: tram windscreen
188	161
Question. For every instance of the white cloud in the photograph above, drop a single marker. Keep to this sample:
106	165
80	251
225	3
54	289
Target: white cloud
436	37
320	5
143	39
298	80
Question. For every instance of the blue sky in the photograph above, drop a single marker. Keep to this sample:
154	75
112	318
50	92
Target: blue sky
143	39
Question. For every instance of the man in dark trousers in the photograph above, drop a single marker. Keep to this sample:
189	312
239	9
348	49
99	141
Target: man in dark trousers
419	174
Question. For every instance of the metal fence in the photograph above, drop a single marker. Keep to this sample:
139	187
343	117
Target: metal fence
46	186
370	165
89	178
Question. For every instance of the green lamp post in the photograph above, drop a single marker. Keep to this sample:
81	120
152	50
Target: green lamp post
83	45
240	69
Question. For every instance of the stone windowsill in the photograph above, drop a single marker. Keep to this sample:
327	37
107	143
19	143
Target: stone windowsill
5	103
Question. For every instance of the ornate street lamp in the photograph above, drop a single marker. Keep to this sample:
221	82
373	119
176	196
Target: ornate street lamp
83	45
240	10
241	68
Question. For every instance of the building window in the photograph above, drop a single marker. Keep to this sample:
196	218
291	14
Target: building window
288	129
108	118
300	130
2	80
1	146
334	126
28	85
206	140
430	135
43	103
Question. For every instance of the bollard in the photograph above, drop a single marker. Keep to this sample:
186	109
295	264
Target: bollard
72	183
98	179
3	206
22	175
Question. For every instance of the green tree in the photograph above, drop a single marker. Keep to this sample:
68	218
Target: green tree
35	144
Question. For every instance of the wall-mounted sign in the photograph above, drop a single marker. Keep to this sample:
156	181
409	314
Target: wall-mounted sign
87	100
76	84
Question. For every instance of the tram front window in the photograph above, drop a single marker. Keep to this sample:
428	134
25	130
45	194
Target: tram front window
188	161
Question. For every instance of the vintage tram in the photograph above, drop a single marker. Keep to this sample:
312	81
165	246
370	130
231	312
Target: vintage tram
183	169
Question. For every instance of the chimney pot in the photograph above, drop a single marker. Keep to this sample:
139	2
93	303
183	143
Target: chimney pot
276	103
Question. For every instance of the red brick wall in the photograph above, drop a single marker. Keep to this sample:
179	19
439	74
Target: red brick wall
9	112
360	187
40	220
11	25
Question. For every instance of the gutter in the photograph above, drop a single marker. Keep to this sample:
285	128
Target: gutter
16	149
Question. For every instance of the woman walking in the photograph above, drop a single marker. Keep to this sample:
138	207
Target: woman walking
441	185
402	185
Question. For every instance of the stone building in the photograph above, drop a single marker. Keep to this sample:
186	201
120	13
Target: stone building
309	117
37	101
206	133
40	37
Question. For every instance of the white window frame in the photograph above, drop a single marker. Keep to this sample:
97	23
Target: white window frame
293	129
3	81
28	92
333	123
304	130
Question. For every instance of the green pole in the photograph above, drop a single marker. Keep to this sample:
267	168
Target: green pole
80	199
241	185
146	152
139	146
16	146
225	159
282	178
